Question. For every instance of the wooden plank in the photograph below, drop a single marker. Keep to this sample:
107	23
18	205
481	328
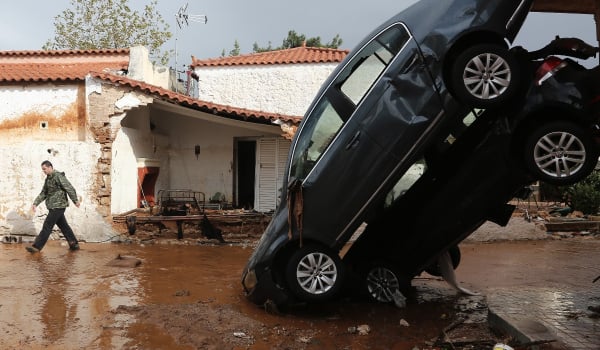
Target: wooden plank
567	226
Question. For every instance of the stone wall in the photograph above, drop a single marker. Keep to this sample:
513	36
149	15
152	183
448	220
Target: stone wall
105	114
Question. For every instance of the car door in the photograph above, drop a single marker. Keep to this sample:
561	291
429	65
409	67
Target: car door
342	153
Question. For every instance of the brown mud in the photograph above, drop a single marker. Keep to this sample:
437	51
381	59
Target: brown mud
187	294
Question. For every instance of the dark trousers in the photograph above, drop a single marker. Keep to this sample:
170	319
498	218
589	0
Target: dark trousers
55	217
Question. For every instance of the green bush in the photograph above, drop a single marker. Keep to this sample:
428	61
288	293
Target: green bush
584	196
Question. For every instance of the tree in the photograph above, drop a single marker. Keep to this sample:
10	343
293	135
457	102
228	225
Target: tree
293	40
236	49
256	48
110	24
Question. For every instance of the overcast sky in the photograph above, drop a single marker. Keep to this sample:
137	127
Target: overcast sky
28	24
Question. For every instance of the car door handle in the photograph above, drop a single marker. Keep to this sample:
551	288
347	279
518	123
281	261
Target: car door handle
410	64
354	140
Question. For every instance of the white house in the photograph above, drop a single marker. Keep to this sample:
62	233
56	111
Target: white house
282	81
109	122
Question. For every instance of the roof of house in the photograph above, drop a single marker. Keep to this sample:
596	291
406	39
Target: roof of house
75	65
184	100
294	55
59	65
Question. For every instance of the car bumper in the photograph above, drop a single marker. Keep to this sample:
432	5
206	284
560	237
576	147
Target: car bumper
261	288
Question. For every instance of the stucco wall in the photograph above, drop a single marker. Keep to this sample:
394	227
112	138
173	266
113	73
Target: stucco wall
46	112
212	170
141	68
171	144
129	148
24	145
286	89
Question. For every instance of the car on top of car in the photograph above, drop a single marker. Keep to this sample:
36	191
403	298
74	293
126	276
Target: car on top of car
392	101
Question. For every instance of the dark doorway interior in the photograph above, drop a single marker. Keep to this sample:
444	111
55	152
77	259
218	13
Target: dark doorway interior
246	167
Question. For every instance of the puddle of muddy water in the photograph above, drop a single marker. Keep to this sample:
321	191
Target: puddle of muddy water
184	297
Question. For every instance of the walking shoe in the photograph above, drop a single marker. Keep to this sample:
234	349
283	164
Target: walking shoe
32	249
74	246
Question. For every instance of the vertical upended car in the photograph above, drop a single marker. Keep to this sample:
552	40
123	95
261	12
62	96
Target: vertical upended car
391	101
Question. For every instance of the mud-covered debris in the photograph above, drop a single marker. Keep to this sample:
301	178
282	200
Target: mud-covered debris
125	261
304	339
399	299
363	329
404	323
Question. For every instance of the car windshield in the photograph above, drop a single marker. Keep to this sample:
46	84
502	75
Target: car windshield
343	96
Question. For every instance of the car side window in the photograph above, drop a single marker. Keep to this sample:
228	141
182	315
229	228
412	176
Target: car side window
324	130
369	64
414	173
342	97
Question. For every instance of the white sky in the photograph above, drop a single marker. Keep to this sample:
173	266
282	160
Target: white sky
28	24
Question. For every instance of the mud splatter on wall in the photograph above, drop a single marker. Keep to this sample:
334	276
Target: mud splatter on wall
44	113
44	126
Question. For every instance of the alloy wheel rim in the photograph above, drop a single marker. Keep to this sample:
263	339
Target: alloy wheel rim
382	284
316	273
559	154
487	76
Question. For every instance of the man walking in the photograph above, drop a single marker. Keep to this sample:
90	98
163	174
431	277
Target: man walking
55	191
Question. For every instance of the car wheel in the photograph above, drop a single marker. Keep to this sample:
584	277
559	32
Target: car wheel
382	283
314	273
485	76
435	269
560	153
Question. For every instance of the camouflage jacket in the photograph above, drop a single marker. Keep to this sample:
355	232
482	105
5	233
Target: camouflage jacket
55	191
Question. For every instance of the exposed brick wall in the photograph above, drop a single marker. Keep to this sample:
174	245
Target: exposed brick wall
102	110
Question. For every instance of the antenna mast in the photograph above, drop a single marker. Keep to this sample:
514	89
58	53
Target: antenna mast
184	19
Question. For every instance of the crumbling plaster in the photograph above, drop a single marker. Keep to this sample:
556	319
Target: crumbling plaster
107	105
64	141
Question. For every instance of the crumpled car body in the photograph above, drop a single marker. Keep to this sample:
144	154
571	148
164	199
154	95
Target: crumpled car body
391	101
551	134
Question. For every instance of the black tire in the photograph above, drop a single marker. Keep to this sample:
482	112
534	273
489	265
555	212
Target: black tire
382	281
435	269
560	153
314	273
485	76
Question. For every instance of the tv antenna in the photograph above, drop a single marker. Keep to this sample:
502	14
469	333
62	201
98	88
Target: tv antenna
184	19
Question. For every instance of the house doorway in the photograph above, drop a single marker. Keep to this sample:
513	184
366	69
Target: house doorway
245	173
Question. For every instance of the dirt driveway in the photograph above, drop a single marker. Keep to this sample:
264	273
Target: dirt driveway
187	295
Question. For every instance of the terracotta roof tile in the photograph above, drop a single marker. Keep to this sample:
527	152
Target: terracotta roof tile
288	56
63	53
43	66
184	100
61	65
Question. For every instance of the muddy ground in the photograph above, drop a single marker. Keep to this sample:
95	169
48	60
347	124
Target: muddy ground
186	294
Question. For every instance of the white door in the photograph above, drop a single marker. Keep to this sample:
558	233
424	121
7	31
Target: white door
271	157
